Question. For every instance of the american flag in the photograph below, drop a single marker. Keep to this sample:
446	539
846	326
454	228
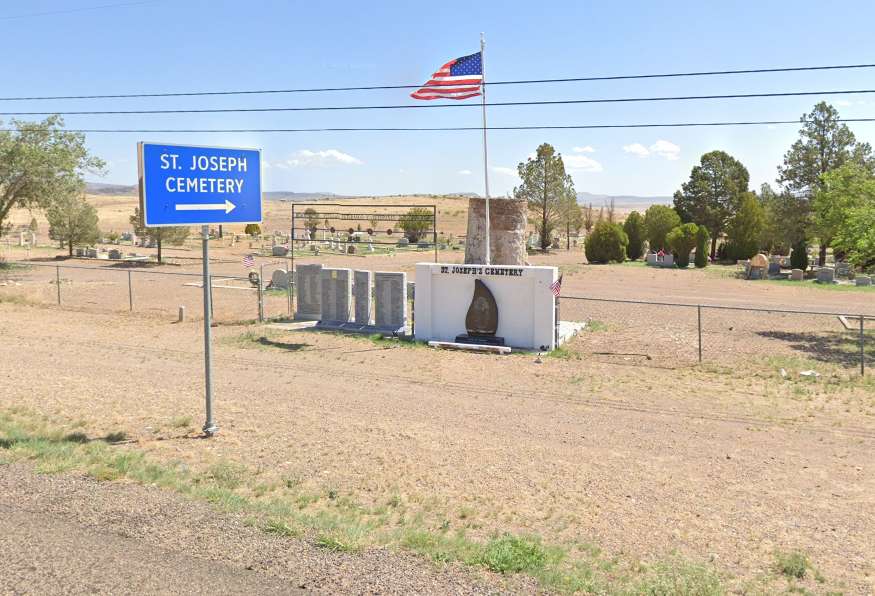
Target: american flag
249	261
457	79
556	287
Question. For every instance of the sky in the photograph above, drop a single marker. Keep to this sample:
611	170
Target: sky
54	48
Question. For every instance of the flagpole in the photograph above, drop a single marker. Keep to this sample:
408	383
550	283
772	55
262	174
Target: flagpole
485	154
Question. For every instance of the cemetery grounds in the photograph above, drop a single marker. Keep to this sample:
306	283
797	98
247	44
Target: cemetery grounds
618	463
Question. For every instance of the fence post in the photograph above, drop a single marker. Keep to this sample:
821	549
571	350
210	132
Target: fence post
261	295
130	292
699	309
862	347
58	282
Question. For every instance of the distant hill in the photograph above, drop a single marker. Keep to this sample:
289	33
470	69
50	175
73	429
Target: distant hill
621	201
99	188
285	195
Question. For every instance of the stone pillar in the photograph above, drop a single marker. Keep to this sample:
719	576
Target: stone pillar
507	231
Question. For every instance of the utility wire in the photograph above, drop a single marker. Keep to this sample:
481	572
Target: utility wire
439	106
69	10
489	83
450	128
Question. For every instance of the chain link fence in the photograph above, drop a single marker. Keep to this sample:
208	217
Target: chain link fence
672	334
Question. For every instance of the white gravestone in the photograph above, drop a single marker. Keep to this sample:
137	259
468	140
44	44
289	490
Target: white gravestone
390	290
308	286
362	290
336	295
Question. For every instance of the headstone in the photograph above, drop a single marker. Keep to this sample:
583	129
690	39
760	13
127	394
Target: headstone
362	290
403	242
667	260
80	252
181	318
774	268
91	253
115	254
651	258
797	275
825	275
411	290
390	290
336	295
279	251
279	279
756	273
308	286
842	269
350	249
863	280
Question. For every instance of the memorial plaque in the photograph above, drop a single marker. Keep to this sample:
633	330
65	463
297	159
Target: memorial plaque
336	295
308	286
390	289
362	292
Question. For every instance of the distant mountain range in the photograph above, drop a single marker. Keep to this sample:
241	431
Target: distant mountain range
621	201
584	198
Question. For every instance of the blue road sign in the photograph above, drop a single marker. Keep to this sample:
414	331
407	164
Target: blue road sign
183	185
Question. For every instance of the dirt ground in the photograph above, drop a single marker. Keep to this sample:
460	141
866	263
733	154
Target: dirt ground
727	462
73	534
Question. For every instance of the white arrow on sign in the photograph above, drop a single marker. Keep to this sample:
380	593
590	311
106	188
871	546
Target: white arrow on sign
227	207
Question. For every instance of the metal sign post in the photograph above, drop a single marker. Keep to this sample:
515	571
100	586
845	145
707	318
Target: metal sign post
184	185
210	427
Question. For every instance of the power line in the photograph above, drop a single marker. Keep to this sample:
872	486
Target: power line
489	83
69	10
449	128
439	106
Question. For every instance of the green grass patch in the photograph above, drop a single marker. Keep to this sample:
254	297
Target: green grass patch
181	422
813	285
676	576
335	521
792	564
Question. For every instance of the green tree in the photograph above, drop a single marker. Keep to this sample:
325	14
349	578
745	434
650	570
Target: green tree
636	232
545	187
659	220
799	256
174	235
72	220
570	217
311	221
702	237
844	208
416	222
784	226
606	243
588	218
712	193
252	229
824	144
681	240
34	226
746	228
40	161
